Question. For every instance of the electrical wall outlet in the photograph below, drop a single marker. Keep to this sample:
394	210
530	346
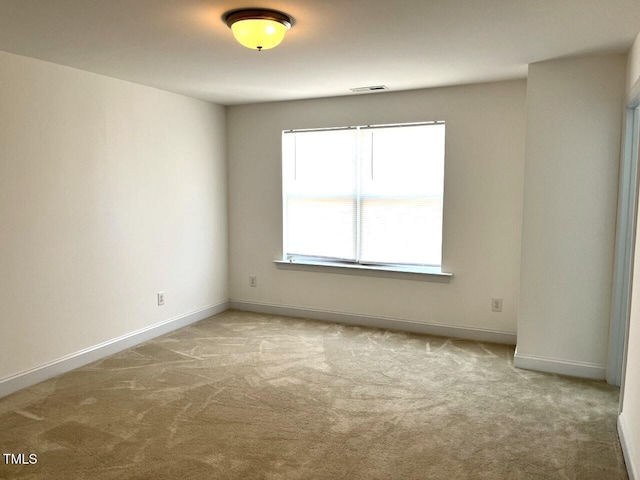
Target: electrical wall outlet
253	280
496	304
160	299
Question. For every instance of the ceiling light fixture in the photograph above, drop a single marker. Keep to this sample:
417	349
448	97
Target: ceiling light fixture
258	29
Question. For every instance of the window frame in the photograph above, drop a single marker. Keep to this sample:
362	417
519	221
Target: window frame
336	265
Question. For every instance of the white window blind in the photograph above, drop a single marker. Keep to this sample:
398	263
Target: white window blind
370	195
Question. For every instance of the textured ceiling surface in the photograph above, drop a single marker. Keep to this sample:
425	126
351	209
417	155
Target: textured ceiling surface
185	47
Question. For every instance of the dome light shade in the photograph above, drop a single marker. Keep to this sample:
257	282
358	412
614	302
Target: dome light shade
258	29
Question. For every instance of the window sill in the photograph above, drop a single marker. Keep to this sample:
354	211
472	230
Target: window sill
429	274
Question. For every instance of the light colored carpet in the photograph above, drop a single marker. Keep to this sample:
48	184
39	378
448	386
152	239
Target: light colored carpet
249	396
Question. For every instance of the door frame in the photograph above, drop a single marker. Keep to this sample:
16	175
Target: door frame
625	243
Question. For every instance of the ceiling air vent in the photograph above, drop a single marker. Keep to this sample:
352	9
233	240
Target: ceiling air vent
373	88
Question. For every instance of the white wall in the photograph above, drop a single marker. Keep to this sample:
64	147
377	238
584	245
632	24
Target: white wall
570	194
633	64
482	207
109	193
629	421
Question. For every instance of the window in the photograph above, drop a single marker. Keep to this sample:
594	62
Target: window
368	195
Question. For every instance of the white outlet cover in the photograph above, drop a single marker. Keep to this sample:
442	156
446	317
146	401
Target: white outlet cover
496	304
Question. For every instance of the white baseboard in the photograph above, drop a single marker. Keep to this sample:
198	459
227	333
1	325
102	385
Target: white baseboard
571	368
467	333
629	450
83	357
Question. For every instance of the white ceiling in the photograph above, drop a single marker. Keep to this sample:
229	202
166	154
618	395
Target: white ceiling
334	45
